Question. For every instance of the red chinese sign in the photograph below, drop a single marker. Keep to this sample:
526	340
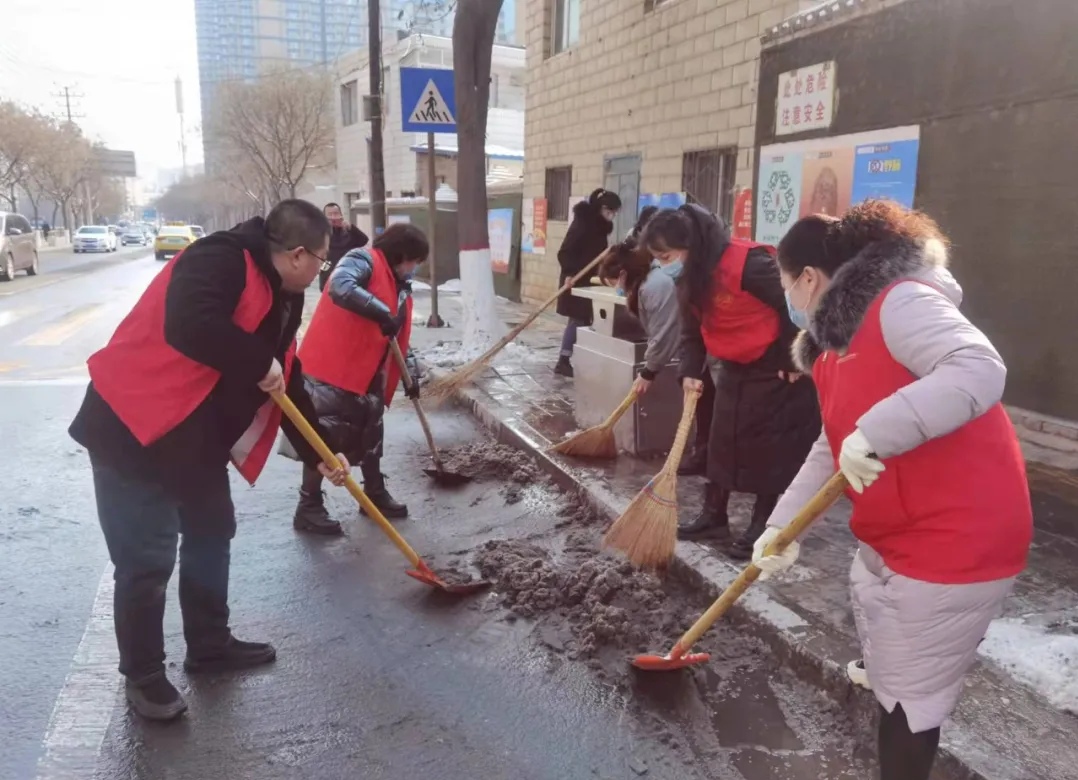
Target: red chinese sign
743	215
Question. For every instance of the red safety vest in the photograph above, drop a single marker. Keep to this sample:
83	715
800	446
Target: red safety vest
345	350
737	326
954	510
153	388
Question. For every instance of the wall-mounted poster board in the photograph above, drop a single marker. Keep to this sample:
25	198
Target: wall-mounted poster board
828	175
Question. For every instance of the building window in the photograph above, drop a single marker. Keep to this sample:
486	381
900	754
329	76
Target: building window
707	178
558	183
349	109
566	32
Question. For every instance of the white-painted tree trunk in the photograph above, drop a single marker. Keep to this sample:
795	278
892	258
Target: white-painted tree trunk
481	326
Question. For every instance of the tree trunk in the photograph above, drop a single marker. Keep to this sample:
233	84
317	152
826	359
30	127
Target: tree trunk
473	41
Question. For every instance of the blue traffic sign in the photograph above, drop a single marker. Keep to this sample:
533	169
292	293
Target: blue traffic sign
428	101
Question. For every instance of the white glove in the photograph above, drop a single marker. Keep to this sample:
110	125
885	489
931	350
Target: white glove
773	564
857	461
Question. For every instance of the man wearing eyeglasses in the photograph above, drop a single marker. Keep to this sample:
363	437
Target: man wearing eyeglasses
181	389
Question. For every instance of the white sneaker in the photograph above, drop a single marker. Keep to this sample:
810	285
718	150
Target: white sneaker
855	670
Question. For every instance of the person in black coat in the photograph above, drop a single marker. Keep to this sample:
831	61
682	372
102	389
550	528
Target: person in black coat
586	239
184	328
343	238
765	416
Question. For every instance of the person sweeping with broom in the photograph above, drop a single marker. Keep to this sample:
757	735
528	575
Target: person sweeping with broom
349	371
910	392
734	325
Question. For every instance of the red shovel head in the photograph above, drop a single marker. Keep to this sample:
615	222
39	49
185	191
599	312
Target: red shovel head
666	663
424	574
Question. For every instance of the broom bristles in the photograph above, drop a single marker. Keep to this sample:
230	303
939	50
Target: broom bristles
445	387
596	442
647	530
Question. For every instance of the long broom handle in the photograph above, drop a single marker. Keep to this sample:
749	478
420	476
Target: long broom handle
394	347
516	331
618	413
816	506
327	456
677	449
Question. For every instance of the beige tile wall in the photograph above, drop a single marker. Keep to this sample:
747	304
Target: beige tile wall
659	83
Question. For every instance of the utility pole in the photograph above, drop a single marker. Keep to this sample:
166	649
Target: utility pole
183	135
67	96
376	162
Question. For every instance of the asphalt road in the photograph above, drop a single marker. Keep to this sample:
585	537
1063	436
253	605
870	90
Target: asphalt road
376	677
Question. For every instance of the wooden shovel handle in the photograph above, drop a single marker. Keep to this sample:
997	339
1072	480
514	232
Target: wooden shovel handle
394	347
816	506
677	449
327	456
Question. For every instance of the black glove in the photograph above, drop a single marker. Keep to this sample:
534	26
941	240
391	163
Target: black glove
411	390
390	326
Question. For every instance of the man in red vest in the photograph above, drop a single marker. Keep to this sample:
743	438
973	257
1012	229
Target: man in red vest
179	391
349	371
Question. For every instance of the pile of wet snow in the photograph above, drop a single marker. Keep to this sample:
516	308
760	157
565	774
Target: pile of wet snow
1044	660
593	599
488	460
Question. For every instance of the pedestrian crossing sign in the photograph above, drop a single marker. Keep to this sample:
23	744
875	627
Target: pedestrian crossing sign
428	103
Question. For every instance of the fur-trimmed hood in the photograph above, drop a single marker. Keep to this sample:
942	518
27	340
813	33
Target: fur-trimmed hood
856	285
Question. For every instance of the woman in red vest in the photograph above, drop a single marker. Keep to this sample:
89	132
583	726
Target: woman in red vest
350	374
735	326
910	396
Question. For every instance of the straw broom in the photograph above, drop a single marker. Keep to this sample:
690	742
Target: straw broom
597	441
647	531
447	386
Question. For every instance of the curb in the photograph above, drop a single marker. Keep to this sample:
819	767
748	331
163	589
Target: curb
809	650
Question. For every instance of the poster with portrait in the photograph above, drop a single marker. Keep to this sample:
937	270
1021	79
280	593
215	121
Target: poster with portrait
828	175
500	230
778	196
826	181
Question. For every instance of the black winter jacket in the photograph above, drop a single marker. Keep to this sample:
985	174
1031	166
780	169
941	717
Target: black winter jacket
352	421
205	288
762	427
586	239
341	240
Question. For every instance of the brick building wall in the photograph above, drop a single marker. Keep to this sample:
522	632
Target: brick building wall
655	79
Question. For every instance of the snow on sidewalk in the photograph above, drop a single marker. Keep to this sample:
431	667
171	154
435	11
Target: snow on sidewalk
1047	662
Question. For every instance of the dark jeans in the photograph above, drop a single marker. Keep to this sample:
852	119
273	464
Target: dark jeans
568	338
142	524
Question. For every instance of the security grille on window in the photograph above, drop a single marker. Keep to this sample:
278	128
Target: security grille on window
558	183
707	178
566	32
349	100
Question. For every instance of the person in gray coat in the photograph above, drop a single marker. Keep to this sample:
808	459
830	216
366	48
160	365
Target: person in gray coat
650	289
910	397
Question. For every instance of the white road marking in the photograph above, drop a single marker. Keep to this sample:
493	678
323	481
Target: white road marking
14	315
82	711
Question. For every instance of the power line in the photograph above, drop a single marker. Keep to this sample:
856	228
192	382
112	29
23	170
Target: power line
67	96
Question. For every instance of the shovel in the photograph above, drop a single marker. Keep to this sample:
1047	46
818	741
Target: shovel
438	473
419	570
679	655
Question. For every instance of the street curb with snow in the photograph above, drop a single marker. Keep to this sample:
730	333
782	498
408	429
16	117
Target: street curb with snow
815	652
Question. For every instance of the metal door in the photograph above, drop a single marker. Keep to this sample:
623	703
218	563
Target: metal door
621	174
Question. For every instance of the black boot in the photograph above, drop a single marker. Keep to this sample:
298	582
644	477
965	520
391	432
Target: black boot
904	755
311	515
741	549
155	698
233	656
695	465
712	522
374	485
564	367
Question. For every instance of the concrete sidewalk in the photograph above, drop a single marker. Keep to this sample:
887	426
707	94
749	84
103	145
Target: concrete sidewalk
1009	726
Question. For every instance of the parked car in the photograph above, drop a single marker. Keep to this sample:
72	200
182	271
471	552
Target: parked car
18	246
171	240
94	238
197	230
133	236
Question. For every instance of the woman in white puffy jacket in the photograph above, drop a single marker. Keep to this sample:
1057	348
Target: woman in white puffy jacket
910	399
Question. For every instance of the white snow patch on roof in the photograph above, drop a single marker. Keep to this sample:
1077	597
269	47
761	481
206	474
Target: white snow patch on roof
1044	661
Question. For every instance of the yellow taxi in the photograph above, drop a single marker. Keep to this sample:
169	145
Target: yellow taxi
171	240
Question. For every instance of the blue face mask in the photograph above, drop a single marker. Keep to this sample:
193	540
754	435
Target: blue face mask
797	316
620	291
408	276
674	269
